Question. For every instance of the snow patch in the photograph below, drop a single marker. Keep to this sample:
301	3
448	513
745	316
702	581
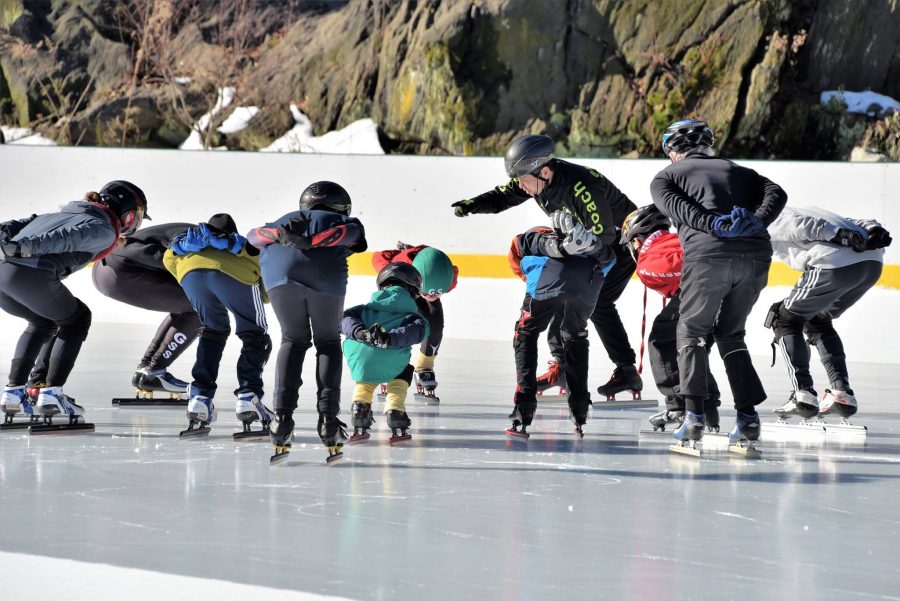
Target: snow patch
360	137
865	103
195	140
24	136
238	120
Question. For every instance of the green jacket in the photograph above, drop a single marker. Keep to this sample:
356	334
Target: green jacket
394	310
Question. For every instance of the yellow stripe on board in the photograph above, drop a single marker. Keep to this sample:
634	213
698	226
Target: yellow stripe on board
496	266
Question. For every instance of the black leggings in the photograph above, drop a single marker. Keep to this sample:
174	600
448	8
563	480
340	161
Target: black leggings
433	312
58	323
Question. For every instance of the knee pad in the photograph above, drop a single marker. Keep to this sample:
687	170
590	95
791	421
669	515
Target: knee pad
217	336
256	343
783	322
78	324
817	328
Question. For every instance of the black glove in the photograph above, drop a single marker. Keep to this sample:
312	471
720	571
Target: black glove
293	234
403	245
374	335
851	239
461	208
878	238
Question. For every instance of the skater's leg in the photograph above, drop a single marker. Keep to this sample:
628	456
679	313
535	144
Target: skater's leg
182	330
72	332
533	319
788	330
749	276
605	316
433	312
364	391
662	352
325	314
554	337
576	345
289	303
199	285
397	389
35	341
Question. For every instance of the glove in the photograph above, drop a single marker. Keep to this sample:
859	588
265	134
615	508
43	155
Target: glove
851	239
293	234
10	249
721	225
579	241
562	222
403	246
461	208
748	222
374	335
878	238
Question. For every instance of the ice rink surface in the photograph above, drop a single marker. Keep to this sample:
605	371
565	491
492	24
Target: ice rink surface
460	512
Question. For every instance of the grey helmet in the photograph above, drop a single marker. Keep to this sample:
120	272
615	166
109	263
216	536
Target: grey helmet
527	154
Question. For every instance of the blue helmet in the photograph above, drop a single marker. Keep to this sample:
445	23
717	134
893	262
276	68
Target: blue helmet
685	134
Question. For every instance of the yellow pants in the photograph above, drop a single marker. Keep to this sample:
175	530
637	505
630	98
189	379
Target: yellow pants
396	394
422	362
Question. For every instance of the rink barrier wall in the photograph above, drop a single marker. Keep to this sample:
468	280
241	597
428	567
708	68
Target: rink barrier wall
497	266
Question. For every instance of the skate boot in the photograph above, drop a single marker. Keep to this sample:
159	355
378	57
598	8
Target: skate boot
281	437
331	431
579	420
13	400
623	378
249	409
711	411
742	438
52	401
664	418
159	380
689	434
399	423
840	402
554	376
519	419
801	402
361	420
201	412
426	384
139	373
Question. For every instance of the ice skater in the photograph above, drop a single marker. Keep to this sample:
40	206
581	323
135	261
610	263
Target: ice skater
219	271
439	276
304	266
596	202
133	273
721	210
38	253
841	259
659	257
563	269
379	335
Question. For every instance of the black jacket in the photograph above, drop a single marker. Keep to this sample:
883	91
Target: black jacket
584	192
144	249
695	190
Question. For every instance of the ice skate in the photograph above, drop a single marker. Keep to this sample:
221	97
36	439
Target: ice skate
519	419
802	403
426	384
711	412
201	412
579	420
361	420
399	423
53	402
281	437
623	378
249	409
742	438
662	419
13	400
555	376
331	431
147	382
843	404
689	434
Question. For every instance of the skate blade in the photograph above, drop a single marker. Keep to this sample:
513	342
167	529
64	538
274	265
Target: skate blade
281	455
425	398
552	398
747	452
633	404
394	440
685	450
804	432
845	430
200	432
517	434
18	426
334	458
61	429
656	435
358	438
148	402
250	436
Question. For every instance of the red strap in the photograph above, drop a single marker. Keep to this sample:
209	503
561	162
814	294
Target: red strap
640	368
115	221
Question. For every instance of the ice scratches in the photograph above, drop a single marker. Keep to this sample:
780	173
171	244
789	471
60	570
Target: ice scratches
736	515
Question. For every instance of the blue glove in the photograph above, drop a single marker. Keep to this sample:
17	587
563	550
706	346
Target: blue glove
721	226
190	241
751	225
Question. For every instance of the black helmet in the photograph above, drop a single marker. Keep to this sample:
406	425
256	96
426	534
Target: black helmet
327	196
128	202
527	154
400	274
641	223
686	134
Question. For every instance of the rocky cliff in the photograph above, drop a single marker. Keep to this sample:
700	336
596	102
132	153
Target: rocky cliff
604	77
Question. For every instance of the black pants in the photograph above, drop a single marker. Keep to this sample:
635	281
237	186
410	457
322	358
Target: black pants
308	318
534	318
820	296
58	324
717	295
605	315
154	291
433	312
663	355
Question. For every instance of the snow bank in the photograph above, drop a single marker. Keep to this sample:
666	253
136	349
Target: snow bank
864	103
360	137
